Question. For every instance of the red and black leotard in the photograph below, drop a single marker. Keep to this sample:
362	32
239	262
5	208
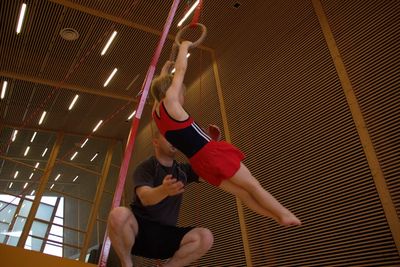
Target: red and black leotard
213	161
185	135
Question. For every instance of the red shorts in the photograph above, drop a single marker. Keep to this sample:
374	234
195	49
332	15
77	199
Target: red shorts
216	161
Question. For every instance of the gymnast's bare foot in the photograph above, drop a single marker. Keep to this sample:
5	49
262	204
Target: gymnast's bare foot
288	219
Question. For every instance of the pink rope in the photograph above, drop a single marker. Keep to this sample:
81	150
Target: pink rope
135	124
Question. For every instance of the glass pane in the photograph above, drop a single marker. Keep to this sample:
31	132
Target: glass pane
3	231
16	231
33	243
44	212
105	206
39	229
25	208
53	249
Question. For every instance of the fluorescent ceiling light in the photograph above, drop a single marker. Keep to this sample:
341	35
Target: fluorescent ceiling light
57	177
44	152
42	117
190	11
133	114
37	165
25	185
95	155
75	178
14	135
21	18
74	155
26	151
10	185
16	174
84	143
33	136
97	126
110	77
73	102
108	43
51	187
30	177
33	192
4	89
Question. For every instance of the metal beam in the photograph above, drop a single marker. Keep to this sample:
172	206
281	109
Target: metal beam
42	186
72	87
239	205
55	131
359	121
97	200
118	20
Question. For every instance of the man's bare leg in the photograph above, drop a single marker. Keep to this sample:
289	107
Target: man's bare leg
194	245
123	228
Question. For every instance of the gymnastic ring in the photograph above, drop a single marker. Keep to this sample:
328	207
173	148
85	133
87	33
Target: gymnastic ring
199	41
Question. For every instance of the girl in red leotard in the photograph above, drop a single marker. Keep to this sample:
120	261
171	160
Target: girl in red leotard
217	162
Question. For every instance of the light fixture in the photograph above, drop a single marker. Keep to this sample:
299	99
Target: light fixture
33	136
30	176
84	143
57	177
11	184
108	43
26	151
37	165
190	11
25	185
33	192
21	17
110	77
44	152
73	102
42	117
16	174
97	126
132	114
95	155
74	155
4	89
51	187
76	177
14	135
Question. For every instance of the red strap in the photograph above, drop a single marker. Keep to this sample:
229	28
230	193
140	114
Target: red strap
196	14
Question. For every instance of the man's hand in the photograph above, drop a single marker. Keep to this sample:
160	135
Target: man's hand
172	186
214	132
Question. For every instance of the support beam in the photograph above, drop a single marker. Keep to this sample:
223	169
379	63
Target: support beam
97	200
42	186
72	87
365	139
49	130
118	20
239	204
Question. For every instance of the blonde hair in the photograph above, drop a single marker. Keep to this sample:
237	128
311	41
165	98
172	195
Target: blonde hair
160	85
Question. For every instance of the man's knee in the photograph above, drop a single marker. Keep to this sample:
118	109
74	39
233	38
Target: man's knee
120	216
204	237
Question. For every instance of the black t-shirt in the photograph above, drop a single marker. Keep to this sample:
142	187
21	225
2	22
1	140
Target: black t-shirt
151	173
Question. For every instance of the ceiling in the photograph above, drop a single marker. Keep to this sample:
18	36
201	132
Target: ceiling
44	71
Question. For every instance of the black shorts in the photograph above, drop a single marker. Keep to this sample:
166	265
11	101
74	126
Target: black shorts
158	241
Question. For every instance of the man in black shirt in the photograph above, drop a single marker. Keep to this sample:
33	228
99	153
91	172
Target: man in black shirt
149	228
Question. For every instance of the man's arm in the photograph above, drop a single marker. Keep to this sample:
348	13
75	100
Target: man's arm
154	195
